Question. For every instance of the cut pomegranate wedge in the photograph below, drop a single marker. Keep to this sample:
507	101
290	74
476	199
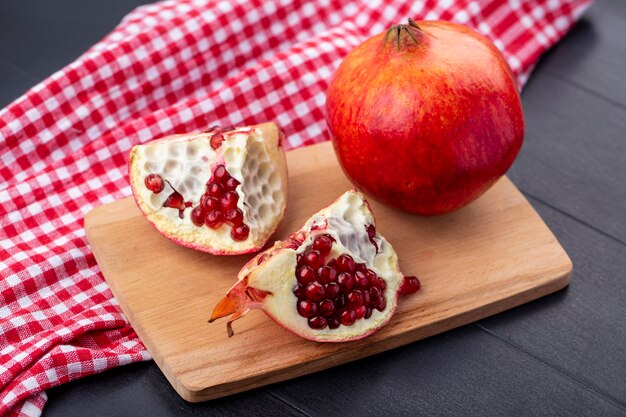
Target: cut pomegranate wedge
223	191
336	279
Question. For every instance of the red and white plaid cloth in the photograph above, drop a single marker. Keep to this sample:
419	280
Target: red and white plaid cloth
174	66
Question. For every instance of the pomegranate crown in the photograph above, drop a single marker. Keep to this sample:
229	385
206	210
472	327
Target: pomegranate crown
397	30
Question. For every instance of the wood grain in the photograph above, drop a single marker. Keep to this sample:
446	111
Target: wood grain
494	254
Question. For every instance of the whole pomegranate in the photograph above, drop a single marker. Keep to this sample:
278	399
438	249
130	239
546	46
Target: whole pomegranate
425	117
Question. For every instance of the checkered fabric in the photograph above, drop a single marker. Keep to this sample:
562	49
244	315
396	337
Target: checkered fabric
173	66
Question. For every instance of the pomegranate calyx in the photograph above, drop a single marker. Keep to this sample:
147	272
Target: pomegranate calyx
401	28
239	300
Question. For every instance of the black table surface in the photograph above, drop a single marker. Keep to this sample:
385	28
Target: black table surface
564	354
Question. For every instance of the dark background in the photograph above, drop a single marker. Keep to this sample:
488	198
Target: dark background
564	354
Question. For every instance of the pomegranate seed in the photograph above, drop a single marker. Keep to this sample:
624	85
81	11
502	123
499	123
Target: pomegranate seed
197	216
305	274
229	200
409	285
323	244
327	274
333	323
220	174
366	297
214	189
209	203
332	290
375	294
345	263
213	219
361	268
327	308
307	308
348	318
345	281
315	291
371	233
360	312
380	283
317	323
368	312
299	292
231	184
216	140
240	232
381	304
313	259
154	183
360	280
176	201
371	276
332	263
234	216
340	302
355	299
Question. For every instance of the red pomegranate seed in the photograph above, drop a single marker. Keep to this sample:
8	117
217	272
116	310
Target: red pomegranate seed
327	308
313	259
229	200
366	297
323	244
307	308
371	233
348	317
234	216
332	263
231	184
240	232
317	323
332	290
154	183
381	304
333	323
220	174
197	216
360	280
209	203
368	312
213	219
215	190
345	281
409	285
375	295
340	302
345	263
360	312
216	140
380	283
361	268
299	292
355	299
315	291
176	201
327	274
305	274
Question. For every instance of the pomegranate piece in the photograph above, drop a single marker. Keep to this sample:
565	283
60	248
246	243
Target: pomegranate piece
234	182
326	283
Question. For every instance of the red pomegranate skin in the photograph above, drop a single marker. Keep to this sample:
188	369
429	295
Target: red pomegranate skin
426	126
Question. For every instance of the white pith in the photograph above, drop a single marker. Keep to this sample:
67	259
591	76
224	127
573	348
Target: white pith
347	219
252	156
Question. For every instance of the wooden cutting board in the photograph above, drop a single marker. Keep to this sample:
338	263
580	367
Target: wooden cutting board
493	255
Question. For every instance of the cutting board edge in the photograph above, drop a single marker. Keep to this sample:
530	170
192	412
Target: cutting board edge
194	394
